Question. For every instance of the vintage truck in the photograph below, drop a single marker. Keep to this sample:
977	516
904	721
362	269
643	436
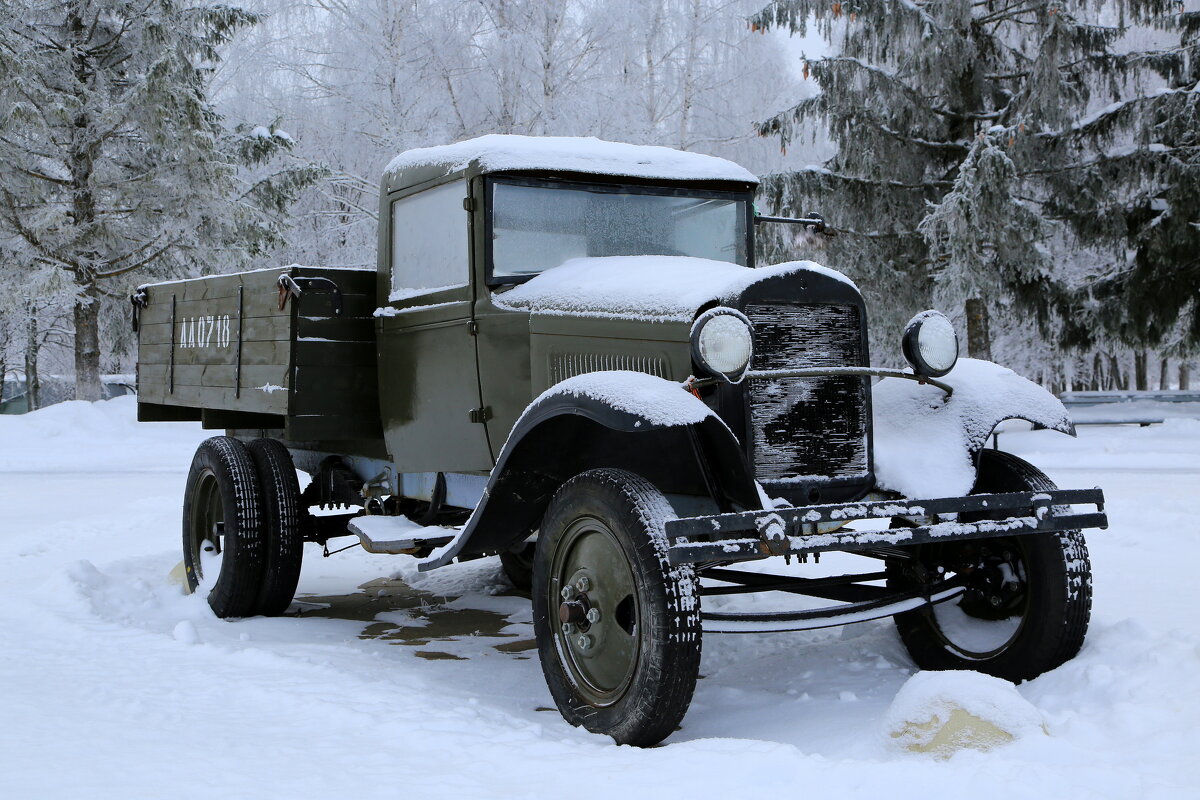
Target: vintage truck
568	357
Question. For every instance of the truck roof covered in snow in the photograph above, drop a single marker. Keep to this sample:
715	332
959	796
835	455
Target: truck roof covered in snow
585	155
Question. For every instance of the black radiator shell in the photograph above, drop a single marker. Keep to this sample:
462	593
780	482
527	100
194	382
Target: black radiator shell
733	401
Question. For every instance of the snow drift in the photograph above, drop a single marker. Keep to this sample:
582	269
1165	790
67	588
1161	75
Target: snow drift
943	712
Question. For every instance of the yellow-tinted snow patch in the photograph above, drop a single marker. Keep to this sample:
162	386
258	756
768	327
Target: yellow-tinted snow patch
178	576
943	737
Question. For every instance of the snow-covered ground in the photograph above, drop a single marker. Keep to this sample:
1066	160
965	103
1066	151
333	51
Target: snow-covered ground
385	682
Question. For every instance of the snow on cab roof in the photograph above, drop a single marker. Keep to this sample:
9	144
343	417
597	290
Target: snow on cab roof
500	153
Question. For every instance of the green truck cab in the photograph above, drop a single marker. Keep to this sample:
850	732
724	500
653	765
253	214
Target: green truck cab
569	358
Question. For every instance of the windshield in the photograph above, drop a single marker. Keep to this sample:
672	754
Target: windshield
538	227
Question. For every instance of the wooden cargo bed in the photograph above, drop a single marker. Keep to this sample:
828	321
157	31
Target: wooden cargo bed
221	350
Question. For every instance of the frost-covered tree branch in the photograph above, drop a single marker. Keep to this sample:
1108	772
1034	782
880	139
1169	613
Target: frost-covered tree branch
119	162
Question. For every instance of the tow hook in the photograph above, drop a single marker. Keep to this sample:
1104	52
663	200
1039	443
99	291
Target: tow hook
772	534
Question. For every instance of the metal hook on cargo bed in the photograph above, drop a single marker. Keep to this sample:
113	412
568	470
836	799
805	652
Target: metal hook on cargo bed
296	287
138	300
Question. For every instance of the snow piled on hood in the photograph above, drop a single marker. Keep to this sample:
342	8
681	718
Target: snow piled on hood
497	153
651	288
925	443
654	399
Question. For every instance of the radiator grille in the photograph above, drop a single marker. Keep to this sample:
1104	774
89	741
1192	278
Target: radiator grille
807	428
568	365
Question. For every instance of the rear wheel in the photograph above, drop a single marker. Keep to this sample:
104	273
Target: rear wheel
222	516
518	566
283	531
1028	598
618	629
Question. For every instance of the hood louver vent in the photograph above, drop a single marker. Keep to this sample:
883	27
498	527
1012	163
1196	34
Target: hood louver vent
568	365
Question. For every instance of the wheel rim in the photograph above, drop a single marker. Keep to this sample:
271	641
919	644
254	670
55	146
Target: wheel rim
207	524
594	607
991	613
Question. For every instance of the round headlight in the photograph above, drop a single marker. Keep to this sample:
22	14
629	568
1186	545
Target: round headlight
930	344
722	343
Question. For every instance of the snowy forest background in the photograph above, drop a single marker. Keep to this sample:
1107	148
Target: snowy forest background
1031	167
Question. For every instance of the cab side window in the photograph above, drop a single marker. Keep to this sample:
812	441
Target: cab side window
429	241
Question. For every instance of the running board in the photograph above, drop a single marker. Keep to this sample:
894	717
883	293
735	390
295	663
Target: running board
395	535
828	617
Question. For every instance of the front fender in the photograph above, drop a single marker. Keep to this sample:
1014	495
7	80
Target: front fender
927	445
628	420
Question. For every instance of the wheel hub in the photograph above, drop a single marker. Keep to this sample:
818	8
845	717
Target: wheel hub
995	588
992	608
575	612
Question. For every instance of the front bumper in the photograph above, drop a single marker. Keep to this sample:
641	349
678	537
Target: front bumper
749	535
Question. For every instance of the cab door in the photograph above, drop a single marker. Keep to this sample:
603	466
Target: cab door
504	334
428	374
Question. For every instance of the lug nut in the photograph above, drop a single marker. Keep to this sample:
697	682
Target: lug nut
568	628
584	642
583	584
567	592
593	615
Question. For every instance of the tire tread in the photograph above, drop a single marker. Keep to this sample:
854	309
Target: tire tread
283	531
235	591
658	699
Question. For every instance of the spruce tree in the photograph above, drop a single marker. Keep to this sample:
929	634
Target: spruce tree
115	161
1151	298
977	156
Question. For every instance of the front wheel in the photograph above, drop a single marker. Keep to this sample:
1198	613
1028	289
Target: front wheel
1027	601
618	628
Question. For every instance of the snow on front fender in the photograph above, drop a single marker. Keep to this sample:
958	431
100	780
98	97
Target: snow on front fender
660	402
926	444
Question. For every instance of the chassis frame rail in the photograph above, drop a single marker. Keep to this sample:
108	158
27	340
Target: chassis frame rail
749	535
832	616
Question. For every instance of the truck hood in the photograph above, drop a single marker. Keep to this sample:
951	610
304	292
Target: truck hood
649	288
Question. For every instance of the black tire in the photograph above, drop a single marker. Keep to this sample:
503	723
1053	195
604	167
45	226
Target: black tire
283	527
518	566
634	681
1029	597
222	509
